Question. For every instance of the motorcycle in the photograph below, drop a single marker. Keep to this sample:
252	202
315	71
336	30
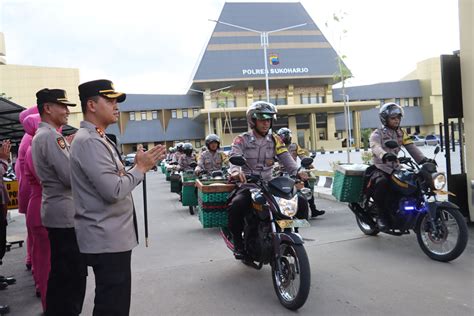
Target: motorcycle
271	235
440	228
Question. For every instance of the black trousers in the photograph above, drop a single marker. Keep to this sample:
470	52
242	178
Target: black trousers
113	282
68	275
3	235
384	196
240	207
311	204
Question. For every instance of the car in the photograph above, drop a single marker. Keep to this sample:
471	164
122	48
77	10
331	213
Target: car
226	149
130	159
432	140
418	140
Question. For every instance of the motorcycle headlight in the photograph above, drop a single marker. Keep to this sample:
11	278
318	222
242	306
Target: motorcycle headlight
439	181
288	207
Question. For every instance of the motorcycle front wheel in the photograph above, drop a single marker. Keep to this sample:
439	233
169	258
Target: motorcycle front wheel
366	228
293	281
447	240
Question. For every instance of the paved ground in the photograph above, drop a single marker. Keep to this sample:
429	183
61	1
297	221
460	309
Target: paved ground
187	270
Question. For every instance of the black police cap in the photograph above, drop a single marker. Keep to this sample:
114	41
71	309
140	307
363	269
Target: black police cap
58	96
100	87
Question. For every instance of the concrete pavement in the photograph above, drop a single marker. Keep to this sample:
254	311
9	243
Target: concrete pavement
187	270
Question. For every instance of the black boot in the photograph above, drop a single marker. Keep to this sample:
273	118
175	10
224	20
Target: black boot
9	281
239	251
4	309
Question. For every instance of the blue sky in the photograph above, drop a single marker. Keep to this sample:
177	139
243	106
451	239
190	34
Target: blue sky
152	46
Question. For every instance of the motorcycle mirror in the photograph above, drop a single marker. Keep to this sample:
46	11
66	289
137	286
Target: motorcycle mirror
257	196
306	162
437	150
391	144
217	174
237	160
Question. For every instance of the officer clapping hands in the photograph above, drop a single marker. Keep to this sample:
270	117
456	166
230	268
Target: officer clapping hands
144	161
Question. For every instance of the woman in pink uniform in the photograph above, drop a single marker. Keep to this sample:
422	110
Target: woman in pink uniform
23	187
41	252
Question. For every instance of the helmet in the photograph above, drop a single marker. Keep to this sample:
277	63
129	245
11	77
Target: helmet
260	110
188	148
170	149
212	138
285	135
179	147
389	110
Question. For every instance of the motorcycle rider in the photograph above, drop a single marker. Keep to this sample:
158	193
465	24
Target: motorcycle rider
385	159
187	157
179	152
296	151
259	147
171	151
211	159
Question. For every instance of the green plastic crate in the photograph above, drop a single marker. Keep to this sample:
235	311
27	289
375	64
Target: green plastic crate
163	169
213	219
175	183
348	183
189	197
213	197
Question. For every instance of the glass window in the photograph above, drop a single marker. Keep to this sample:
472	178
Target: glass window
173	114
382	101
397	101
143	116
228	102
132	116
195	112
198	144
312	98
406	102
185	113
154	115
278	100
415	102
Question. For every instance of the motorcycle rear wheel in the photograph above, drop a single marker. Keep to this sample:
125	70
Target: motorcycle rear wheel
448	241
293	283
366	228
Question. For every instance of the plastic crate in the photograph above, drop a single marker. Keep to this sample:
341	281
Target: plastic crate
213	219
348	182
189	197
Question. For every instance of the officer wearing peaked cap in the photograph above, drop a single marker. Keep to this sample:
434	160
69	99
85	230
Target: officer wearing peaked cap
50	153
105	222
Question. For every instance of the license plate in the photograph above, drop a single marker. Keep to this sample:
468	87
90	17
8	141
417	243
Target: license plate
293	223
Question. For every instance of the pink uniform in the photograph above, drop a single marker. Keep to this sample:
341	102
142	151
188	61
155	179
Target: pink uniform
24	190
41	252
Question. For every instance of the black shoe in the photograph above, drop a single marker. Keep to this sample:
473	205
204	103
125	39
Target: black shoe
3	285
4	309
38	294
239	254
317	213
8	281
28	266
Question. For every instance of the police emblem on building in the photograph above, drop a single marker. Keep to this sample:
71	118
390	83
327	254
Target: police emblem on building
274	60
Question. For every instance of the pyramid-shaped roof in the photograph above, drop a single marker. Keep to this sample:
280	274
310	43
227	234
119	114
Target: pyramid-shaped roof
235	55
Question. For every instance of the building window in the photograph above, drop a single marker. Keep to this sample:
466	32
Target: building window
382	101
154	115
397	101
198	144
415	102
132	116
417	130
312	98
195	112
174	114
406	102
278	100
228	102
408	130
143	116
185	113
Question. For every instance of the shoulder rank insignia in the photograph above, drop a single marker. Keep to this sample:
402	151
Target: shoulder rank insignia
280	147
61	142
100	132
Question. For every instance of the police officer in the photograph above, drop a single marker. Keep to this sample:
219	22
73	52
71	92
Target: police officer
179	152
259	147
50	153
385	159
296	151
187	157
105	219
211	159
